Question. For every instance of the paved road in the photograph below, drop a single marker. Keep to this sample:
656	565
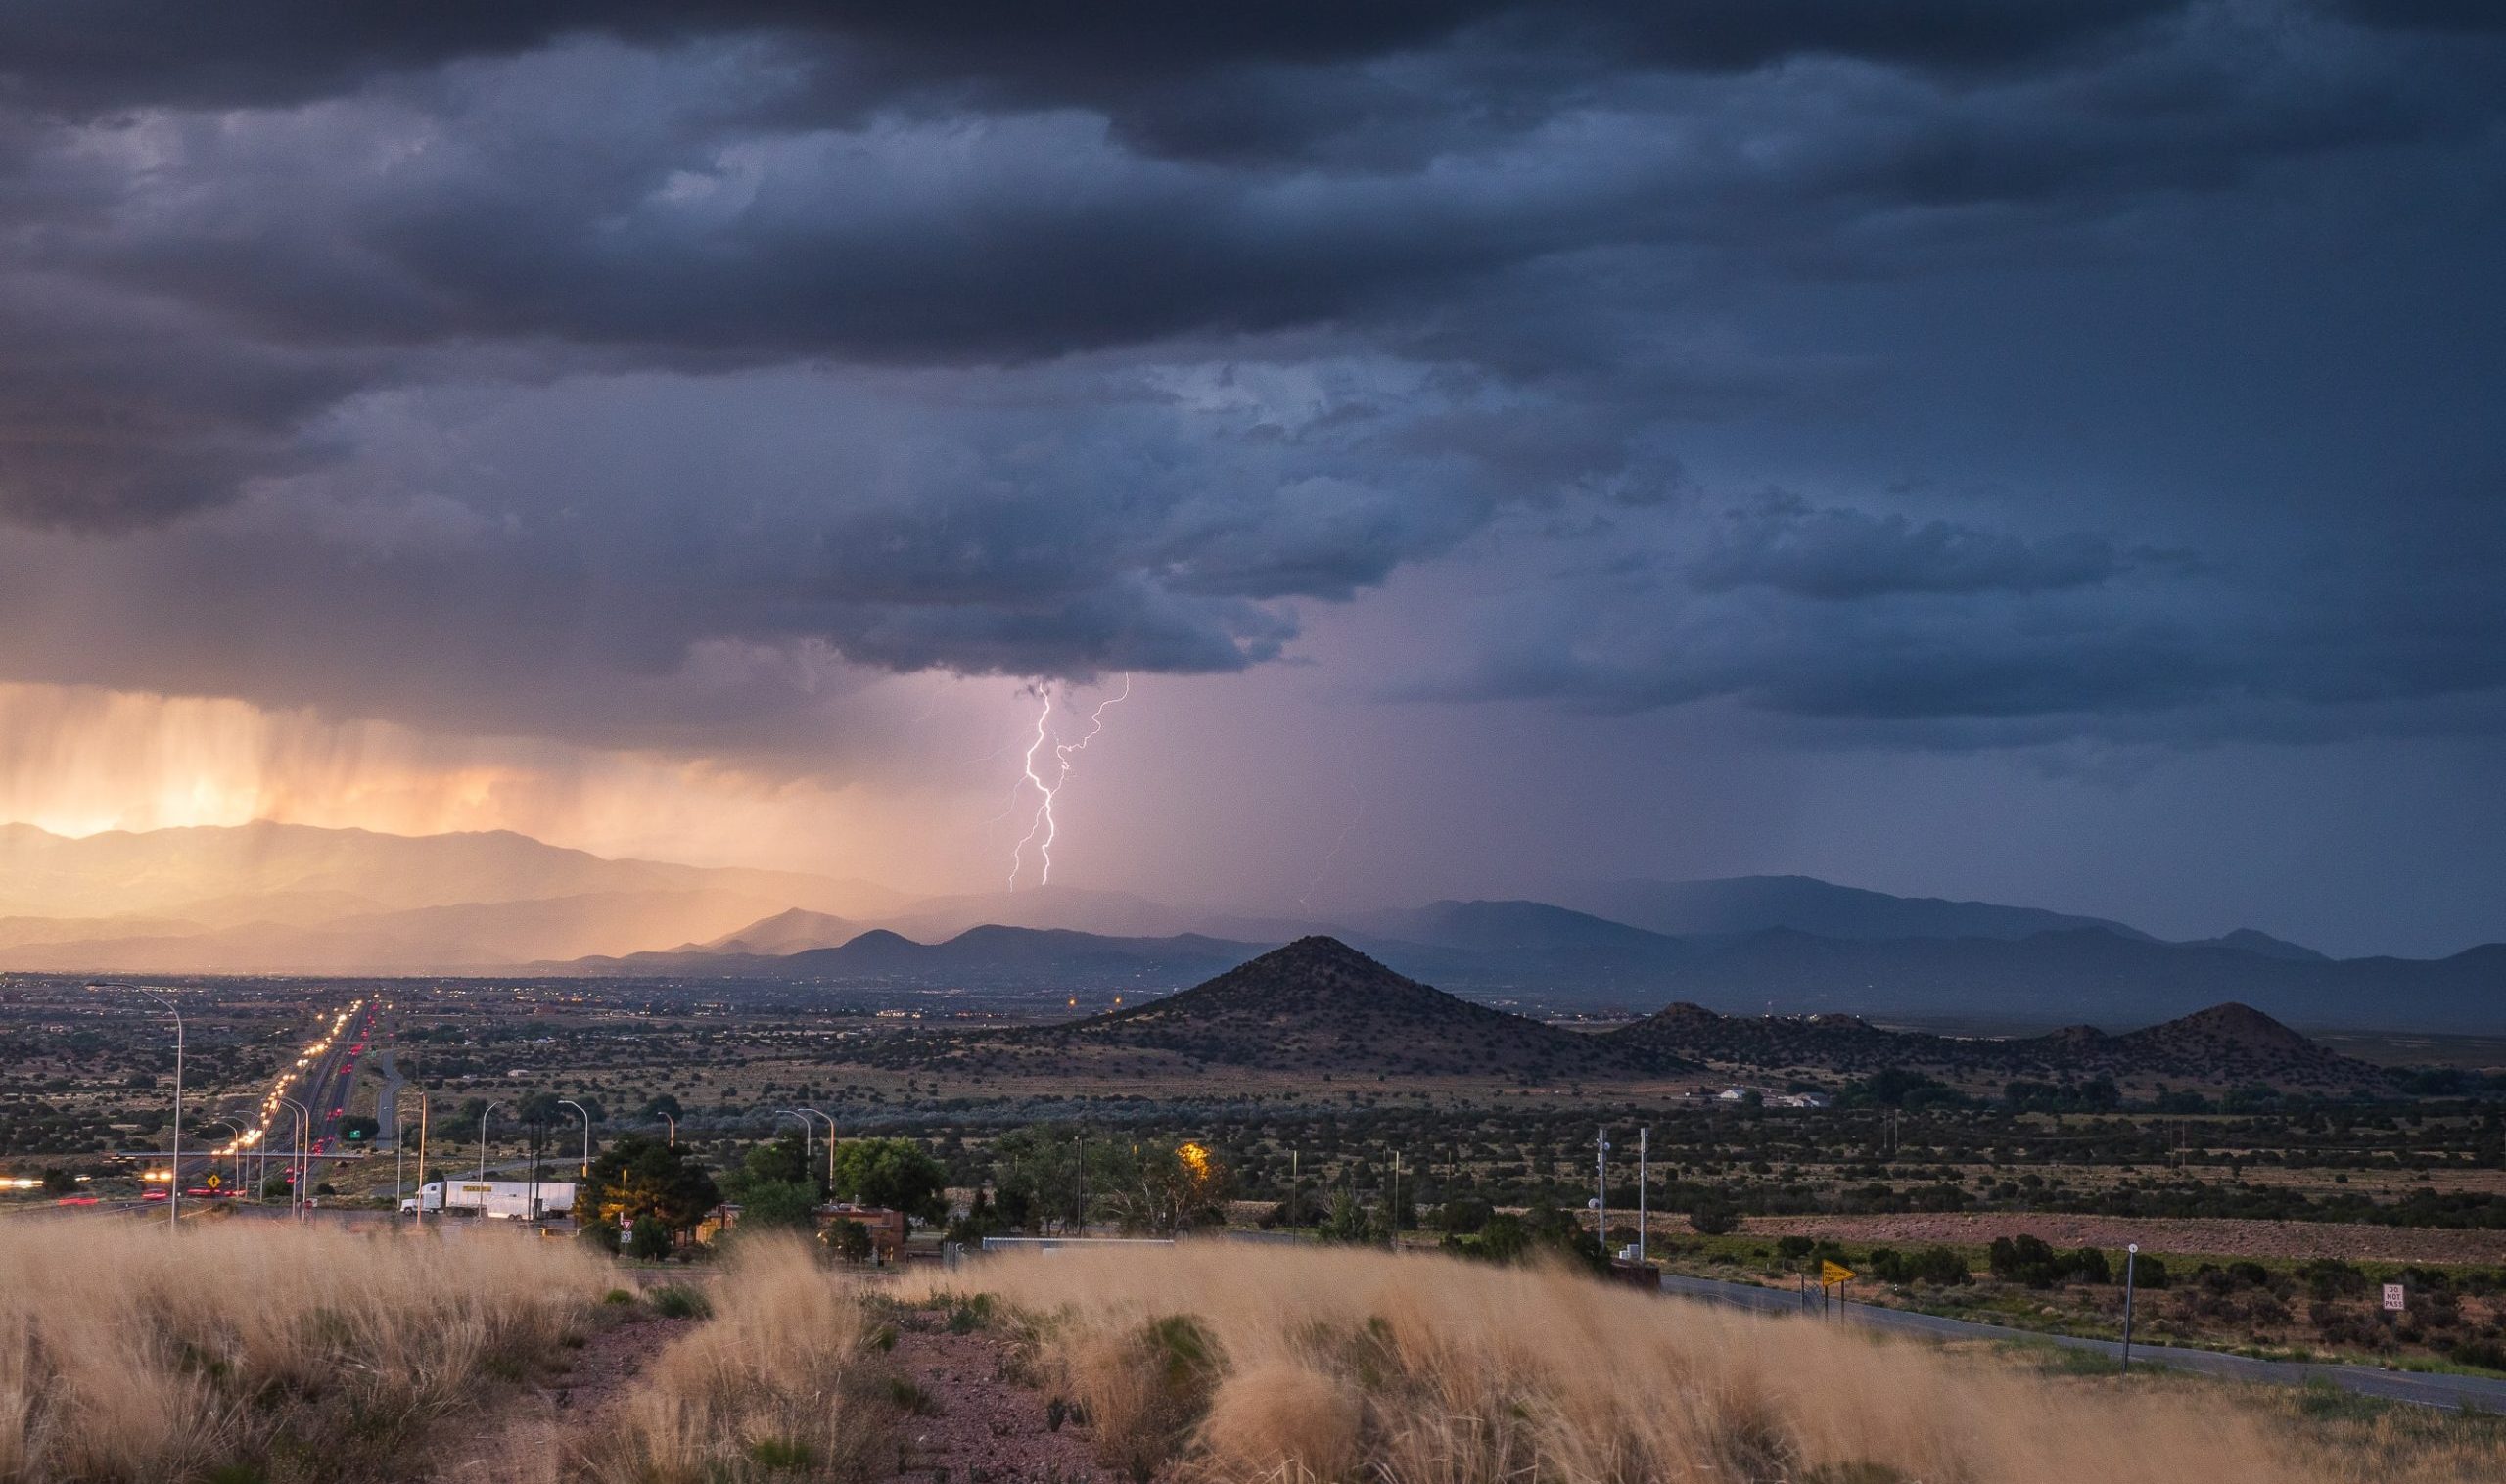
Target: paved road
2454	1391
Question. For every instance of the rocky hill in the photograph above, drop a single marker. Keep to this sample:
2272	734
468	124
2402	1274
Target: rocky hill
1319	1005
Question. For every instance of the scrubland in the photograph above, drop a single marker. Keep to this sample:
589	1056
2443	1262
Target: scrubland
252	1354
1230	1362
247	1352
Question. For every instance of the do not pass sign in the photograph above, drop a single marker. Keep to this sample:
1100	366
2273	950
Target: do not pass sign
2393	1296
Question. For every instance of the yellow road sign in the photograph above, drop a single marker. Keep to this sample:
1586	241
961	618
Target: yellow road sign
1834	1272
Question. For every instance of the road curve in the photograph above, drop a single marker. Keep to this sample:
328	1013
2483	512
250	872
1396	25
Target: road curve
2448	1391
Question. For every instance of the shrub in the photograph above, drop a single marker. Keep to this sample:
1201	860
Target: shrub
2024	1259
1938	1265
1714	1217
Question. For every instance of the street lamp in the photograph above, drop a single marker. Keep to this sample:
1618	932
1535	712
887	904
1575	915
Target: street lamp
564	1102
673	1130
809	1131
830	1144
482	1155
174	1186
298	1162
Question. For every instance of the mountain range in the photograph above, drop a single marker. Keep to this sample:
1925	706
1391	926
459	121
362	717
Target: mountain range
292	899
1319	1007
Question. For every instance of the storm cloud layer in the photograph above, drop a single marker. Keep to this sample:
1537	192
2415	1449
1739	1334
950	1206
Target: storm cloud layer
1954	374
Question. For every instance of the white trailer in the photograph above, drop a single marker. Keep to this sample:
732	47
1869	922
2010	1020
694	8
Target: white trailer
499	1199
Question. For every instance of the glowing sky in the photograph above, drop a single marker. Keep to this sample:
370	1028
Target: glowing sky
2041	449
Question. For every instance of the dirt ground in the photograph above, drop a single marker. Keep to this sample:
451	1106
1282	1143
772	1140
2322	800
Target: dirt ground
983	1428
2208	1237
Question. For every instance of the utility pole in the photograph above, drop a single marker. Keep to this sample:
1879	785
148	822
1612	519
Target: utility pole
1643	1207
1392	1203
423	1100
1600	1187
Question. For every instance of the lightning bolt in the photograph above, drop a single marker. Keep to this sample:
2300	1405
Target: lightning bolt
1044	816
1043	828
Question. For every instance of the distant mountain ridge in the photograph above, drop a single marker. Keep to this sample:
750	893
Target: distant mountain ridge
290	899
1742	904
1319	1007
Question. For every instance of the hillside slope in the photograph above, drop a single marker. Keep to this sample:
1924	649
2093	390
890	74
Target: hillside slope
1318	1005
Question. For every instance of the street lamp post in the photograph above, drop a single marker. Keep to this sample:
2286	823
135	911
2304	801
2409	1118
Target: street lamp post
809	1132
563	1102
300	1167
483	1156
175	1185
673	1130
830	1144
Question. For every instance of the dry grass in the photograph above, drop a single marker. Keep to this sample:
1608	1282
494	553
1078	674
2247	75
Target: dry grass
779	1381
259	1351
1236	1363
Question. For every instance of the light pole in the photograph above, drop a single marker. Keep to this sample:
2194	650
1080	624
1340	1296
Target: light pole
564	1102
483	1156
673	1130
175	1185
298	1165
830	1146
2131	1259
809	1132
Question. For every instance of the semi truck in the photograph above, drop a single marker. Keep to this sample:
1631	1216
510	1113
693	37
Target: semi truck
497	1199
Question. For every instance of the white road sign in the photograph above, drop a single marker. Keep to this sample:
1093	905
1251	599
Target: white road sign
2393	1296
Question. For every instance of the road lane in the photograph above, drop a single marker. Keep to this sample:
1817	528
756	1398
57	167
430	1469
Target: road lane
2449	1391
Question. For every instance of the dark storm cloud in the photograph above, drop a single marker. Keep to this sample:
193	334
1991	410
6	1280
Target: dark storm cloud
754	338
90	55
1781	541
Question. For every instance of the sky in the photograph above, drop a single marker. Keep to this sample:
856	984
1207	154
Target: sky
2037	450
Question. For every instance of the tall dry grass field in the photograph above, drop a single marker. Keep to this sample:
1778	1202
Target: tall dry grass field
254	1351
782	1380
1239	1363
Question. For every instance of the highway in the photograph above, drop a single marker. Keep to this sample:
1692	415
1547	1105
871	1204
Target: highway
2449	1391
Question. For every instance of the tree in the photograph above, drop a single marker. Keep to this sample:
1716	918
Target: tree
895	1173
849	1240
646	1182
780	1205
1035	1175
663	1106
779	1161
59	1182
